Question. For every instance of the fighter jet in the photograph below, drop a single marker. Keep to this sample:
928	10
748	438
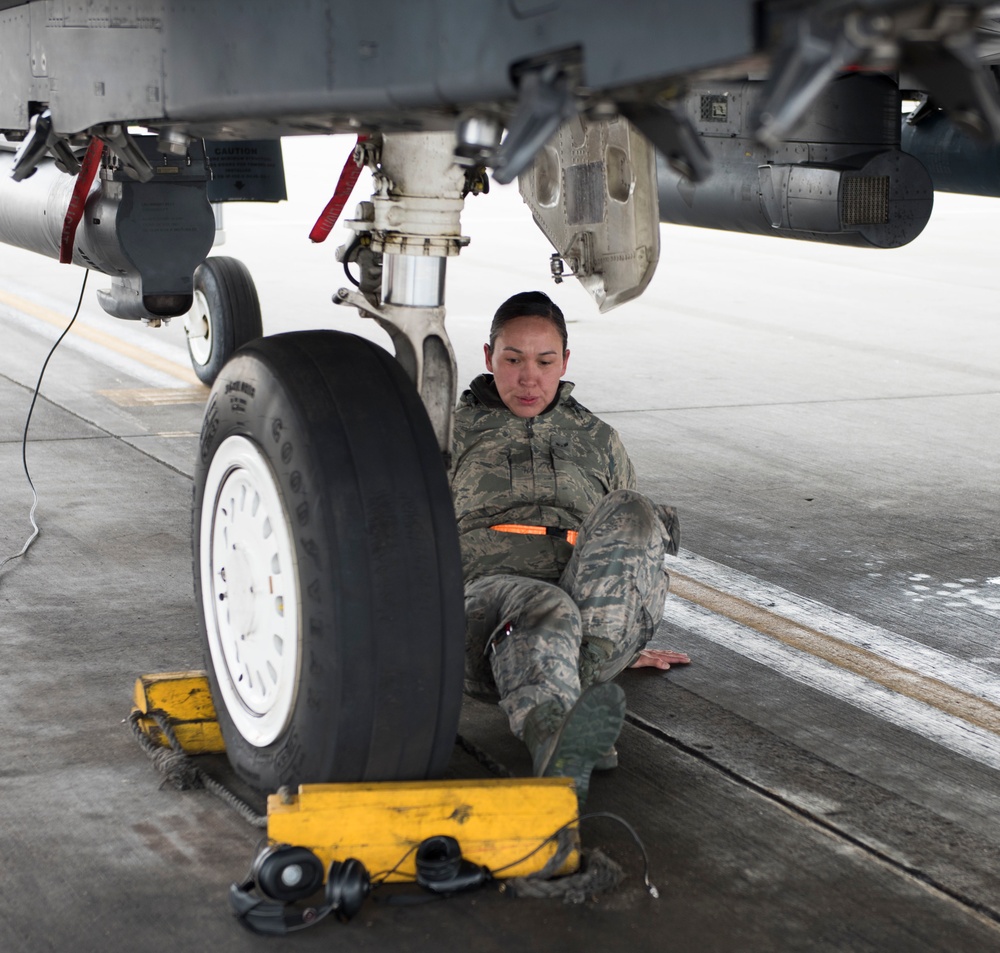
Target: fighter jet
325	556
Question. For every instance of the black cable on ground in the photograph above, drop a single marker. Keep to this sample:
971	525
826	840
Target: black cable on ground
27	424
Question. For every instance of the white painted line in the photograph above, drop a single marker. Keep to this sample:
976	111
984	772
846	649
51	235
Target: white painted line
903	651
914	710
953	733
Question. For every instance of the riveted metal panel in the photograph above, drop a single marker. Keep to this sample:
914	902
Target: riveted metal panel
255	68
592	191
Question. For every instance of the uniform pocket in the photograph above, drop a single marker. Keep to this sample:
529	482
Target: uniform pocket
483	481
579	474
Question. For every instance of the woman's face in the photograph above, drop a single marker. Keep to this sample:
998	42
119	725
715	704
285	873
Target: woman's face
527	362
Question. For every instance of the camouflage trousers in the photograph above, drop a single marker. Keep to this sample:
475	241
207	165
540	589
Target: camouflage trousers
530	641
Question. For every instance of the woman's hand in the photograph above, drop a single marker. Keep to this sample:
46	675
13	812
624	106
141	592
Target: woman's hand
660	658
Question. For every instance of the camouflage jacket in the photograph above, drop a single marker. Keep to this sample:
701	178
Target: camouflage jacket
549	470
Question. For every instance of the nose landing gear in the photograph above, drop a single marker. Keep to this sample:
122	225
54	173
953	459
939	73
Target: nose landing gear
339	450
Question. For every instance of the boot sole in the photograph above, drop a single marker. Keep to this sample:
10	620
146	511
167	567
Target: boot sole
607	761
590	728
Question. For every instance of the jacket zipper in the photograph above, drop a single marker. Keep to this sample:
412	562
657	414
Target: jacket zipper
529	423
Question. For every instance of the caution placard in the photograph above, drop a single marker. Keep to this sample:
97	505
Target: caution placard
250	170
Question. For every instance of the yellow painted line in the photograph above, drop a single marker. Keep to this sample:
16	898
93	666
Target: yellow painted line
897	678
156	396
101	338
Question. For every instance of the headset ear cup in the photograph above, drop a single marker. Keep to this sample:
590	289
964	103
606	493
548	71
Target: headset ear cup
255	913
442	869
347	885
287	873
438	860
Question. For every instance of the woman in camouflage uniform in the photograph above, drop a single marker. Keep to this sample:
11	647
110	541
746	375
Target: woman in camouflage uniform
562	557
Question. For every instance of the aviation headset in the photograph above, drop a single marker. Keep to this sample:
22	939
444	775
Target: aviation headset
283	875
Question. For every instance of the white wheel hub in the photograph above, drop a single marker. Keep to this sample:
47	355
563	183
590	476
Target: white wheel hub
198	327
250	591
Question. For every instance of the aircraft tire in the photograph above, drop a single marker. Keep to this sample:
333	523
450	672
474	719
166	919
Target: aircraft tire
326	565
225	315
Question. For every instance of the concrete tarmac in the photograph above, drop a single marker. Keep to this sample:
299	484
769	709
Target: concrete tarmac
822	777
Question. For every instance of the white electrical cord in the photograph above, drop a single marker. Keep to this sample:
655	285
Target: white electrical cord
27	423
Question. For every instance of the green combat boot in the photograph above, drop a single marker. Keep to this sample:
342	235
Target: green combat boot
569	744
594	654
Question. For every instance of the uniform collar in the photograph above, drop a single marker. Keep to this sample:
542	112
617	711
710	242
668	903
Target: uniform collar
484	389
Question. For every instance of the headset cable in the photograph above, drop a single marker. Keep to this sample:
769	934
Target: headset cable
27	424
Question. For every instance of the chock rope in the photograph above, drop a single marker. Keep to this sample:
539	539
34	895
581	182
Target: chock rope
483	757
598	874
178	768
